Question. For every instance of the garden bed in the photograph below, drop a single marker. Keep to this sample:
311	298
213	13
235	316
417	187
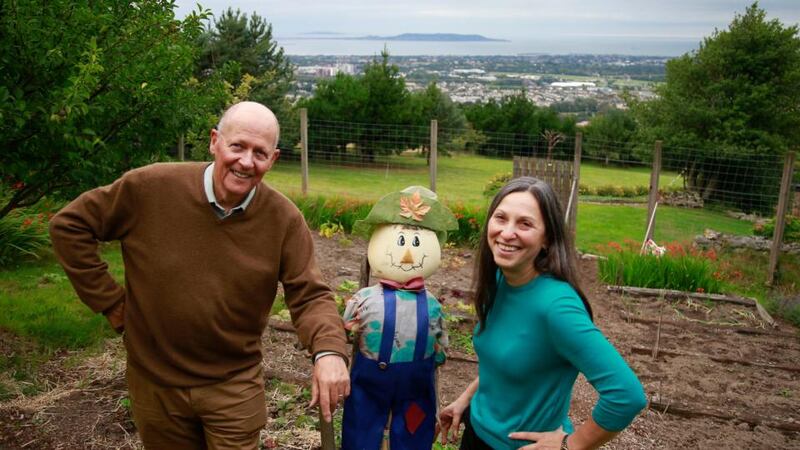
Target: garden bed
736	405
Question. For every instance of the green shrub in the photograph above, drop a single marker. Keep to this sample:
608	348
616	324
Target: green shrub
584	189
693	271
669	189
610	190
470	219
497	182
791	231
22	236
320	212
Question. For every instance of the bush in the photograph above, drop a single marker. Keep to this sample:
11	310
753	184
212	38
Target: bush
692	271
320	212
23	235
470	219
609	190
497	182
791	232
584	189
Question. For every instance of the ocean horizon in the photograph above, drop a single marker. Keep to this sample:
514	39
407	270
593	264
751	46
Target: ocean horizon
634	46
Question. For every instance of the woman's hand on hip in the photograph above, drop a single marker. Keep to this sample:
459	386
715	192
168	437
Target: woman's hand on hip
548	440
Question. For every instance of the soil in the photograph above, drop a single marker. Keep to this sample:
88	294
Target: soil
699	398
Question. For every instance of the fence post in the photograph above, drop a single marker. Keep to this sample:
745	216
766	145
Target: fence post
780	217
576	180
181	148
304	149
433	155
652	199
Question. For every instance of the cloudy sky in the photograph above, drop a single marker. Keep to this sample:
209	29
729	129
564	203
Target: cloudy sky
505	19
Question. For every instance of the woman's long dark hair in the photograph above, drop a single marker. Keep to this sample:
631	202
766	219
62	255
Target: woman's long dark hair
559	260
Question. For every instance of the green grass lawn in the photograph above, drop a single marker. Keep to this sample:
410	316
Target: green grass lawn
461	178
38	302
600	224
40	308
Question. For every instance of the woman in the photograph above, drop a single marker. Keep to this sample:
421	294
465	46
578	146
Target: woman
534	334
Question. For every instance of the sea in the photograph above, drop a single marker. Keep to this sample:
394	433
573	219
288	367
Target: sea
637	46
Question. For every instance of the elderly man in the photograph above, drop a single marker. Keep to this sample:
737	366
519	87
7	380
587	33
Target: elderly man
204	247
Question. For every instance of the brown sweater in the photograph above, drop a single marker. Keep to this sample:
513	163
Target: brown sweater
198	289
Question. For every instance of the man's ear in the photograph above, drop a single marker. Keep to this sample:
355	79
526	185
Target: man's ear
213	141
275	155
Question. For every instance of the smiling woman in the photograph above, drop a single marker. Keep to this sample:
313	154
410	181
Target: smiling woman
535	334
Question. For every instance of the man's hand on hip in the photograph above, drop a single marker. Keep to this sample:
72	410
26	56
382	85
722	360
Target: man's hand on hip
330	384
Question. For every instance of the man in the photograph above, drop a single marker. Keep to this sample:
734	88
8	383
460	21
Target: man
204	247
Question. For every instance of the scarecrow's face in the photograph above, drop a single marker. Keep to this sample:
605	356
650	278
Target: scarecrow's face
401	252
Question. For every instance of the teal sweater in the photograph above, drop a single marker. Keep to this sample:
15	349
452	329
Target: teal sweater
537	338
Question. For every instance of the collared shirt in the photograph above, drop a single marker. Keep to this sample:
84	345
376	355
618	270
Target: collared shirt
208	184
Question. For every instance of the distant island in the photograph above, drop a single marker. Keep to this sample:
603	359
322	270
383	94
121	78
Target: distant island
437	37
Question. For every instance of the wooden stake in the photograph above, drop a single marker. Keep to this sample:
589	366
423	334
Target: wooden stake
720	359
652	199
304	149
682	411
673	294
780	218
658	332
434	153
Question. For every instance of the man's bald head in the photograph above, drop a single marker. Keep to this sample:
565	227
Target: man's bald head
253	112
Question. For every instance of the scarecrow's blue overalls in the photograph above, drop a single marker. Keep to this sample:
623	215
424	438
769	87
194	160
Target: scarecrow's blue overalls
406	389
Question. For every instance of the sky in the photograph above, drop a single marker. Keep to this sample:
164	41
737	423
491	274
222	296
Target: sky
501	19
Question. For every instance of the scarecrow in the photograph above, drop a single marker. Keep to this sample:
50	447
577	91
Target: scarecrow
398	325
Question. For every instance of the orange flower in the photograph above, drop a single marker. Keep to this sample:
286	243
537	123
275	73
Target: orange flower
700	290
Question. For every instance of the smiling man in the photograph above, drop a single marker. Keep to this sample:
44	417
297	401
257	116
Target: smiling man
204	247
244	146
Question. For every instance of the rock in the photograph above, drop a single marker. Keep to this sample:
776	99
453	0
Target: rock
686	199
714	239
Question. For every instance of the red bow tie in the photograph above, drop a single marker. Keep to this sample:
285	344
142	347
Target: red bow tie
414	284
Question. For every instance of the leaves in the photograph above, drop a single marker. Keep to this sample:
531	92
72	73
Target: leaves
413	207
728	111
94	89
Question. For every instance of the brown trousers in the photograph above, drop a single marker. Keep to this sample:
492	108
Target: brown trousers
226	415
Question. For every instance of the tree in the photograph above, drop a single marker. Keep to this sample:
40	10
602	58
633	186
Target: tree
341	98
377	97
91	89
737	95
514	124
432	104
610	137
248	41
241	49
552	138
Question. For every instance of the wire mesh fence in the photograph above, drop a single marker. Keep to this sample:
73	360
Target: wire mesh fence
369	160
